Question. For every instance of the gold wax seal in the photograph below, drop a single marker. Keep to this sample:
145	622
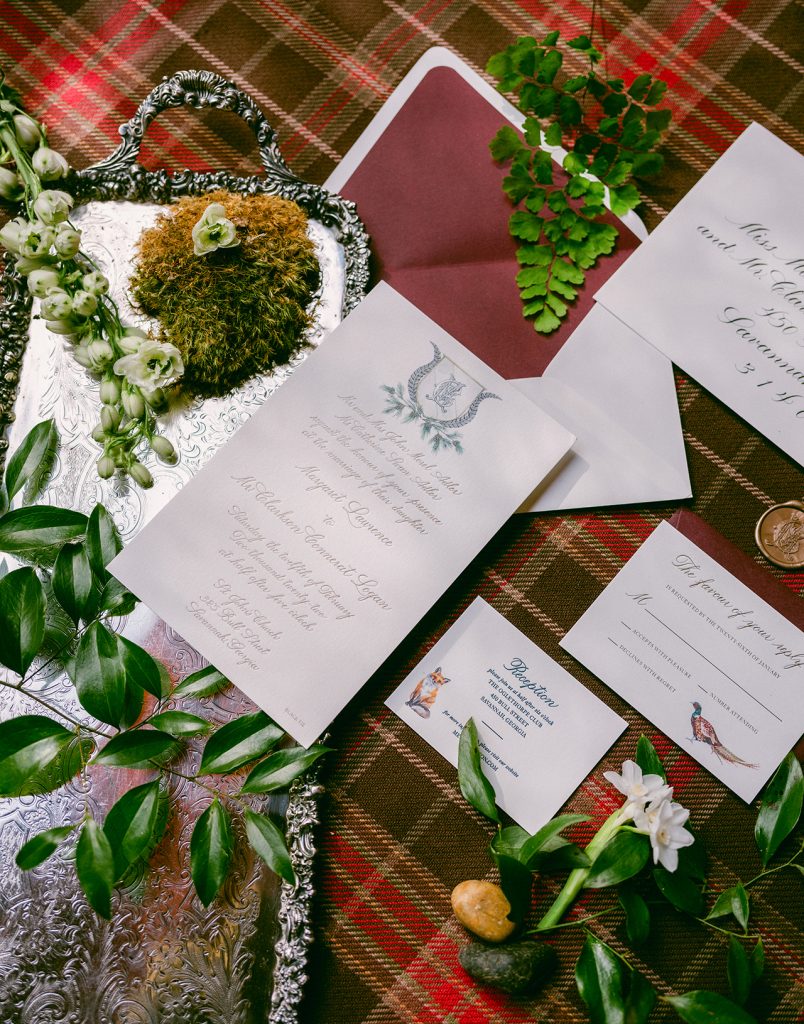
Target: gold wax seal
780	534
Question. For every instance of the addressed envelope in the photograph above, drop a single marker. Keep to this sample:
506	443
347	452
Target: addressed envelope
431	198
541	732
705	645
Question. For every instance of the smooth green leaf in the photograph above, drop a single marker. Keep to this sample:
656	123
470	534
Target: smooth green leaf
99	676
238	742
115	598
130	825
94	865
37	850
279	769
648	760
268	842
505	144
22	619
141	669
641	999
540	839
732	901
551	38
692	860
516	881
757	961
211	848
28	744
680	890
139	748
38	531
74	584
33	460
780	808
599	977
582	42
475	787
637	915
203	683
563	856
103	540
702	1007
63	767
181	723
621	858
738	971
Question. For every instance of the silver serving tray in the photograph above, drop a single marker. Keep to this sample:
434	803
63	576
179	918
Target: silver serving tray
163	957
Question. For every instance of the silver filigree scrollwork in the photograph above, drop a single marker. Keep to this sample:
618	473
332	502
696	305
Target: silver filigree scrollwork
165	959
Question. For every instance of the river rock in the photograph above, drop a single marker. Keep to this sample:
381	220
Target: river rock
483	909
517	967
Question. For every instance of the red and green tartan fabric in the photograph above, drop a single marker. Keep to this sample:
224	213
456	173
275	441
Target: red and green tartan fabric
396	834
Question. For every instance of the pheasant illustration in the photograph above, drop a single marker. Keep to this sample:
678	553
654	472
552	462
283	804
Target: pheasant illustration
704	732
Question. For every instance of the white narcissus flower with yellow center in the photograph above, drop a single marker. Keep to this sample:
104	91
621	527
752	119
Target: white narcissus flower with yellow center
663	822
154	364
639	789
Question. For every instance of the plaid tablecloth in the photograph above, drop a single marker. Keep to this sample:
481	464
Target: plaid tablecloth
396	835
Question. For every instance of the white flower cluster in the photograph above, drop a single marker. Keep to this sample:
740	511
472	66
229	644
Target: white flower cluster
132	367
650	805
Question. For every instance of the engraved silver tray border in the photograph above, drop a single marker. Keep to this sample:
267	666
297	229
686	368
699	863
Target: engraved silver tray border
120	177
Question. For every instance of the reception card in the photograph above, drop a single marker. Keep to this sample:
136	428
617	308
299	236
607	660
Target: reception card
701	655
719	285
309	546
541	732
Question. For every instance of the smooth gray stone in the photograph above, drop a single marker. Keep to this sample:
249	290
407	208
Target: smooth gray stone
515	967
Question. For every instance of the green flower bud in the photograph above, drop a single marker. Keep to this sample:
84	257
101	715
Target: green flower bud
95	283
68	241
67	326
57	305
133	404
28	132
82	357
43	280
98	434
100	352
109	391
49	164
53	206
11	188
132	340
140	475
105	467
155	398
84	303
110	418
163	449
25	264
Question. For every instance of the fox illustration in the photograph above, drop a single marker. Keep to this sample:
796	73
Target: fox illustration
424	693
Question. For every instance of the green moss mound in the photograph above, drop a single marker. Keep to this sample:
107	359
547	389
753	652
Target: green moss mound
235	312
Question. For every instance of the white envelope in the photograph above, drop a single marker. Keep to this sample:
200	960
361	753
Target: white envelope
606	385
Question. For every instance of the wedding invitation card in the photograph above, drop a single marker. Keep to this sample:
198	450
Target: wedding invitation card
700	654
541	732
309	546
719	285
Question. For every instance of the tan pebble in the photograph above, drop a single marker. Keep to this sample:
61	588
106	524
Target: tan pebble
483	909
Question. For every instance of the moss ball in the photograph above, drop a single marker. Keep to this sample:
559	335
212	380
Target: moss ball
235	312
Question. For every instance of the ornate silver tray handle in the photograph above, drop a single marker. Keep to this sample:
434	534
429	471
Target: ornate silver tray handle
163	958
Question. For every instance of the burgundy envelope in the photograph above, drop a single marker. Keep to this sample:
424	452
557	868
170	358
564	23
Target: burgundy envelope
431	199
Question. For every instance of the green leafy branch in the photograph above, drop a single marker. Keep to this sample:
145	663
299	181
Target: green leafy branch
57	609
399	404
610	134
612	990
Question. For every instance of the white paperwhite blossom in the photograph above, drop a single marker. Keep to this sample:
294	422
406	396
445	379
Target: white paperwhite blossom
663	822
153	364
639	789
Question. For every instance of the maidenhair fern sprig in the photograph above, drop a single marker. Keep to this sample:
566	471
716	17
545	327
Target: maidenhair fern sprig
610	134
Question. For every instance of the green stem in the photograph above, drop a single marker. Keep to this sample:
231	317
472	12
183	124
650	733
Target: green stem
726	931
573	924
203	785
772	871
53	709
576	879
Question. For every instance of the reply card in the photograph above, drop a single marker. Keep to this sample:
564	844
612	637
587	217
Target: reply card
310	545
701	655
719	285
541	731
